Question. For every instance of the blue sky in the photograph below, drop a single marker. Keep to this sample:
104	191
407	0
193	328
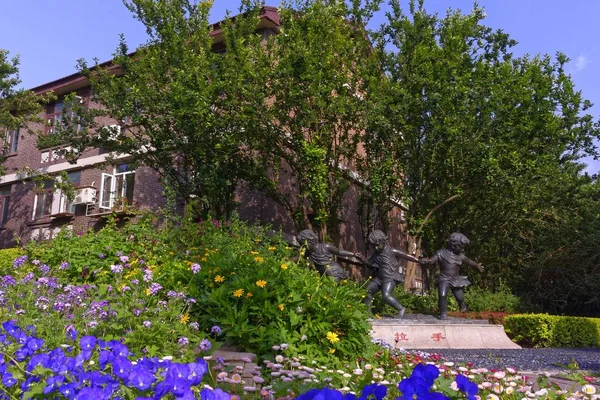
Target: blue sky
50	38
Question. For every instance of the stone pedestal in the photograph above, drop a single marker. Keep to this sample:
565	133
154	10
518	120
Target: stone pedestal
417	331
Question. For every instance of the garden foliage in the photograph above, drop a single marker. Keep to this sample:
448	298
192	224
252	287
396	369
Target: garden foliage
543	330
233	275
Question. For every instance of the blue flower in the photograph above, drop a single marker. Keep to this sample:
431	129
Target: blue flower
197	371
8	380
68	390
53	383
469	388
122	367
373	390
428	373
217	394
322	394
140	378
87	343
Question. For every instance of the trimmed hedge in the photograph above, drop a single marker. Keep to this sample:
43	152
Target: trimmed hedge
543	330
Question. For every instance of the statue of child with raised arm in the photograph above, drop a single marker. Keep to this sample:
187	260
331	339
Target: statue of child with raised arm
450	259
387	271
321	255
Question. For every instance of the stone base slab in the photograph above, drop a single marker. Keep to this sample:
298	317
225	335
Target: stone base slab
440	335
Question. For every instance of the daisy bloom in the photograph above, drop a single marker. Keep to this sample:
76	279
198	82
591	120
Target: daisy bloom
238	293
333	337
261	283
219	279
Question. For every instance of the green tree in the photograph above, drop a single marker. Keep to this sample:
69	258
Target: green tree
477	137
177	101
318	67
17	106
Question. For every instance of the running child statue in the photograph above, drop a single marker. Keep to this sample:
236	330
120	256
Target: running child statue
387	271
449	260
321	255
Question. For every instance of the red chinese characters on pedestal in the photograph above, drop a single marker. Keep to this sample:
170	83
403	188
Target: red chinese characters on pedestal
400	336
437	337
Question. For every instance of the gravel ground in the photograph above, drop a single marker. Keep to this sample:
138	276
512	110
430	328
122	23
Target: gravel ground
524	359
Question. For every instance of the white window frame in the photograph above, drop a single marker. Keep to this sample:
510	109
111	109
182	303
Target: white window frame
108	188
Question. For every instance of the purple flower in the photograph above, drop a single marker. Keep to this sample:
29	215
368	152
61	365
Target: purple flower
19	261
147	324
205	345
101	255
195	325
64	265
137	312
7	281
44	269
71	332
135	282
195	268
215	329
183	341
140	378
36	262
117	269
124	259
125	288
87	343
119	253
155	288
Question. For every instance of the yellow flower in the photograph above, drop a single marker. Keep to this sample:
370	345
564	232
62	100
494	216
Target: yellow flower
254	253
249	294
147	292
331	351
238	293
281	307
203	259
184	319
333	337
272	248
258	259
284	266
219	279
261	283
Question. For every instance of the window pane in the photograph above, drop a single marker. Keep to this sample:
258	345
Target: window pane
75	177
44	204
5	190
5	201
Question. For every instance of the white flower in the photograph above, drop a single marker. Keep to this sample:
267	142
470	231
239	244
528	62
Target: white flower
588	389
279	358
509	390
511	370
492	396
454	386
497	388
542	392
486	385
368	366
449	364
499	375
357	371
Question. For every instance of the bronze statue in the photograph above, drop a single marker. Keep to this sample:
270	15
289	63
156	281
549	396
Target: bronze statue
450	259
387	271
321	255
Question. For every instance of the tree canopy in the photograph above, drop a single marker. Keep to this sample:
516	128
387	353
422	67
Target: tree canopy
430	110
17	106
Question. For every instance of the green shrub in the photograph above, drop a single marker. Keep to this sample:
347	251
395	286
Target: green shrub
315	316
543	330
7	256
576	332
249	286
480	300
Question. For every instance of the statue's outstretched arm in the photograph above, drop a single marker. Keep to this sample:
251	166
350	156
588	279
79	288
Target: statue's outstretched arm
401	254
472	263
429	261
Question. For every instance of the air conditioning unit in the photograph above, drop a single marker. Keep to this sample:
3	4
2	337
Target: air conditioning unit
85	195
111	132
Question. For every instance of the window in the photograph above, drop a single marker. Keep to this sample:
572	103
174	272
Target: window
59	114
4	202
49	201
11	141
116	190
